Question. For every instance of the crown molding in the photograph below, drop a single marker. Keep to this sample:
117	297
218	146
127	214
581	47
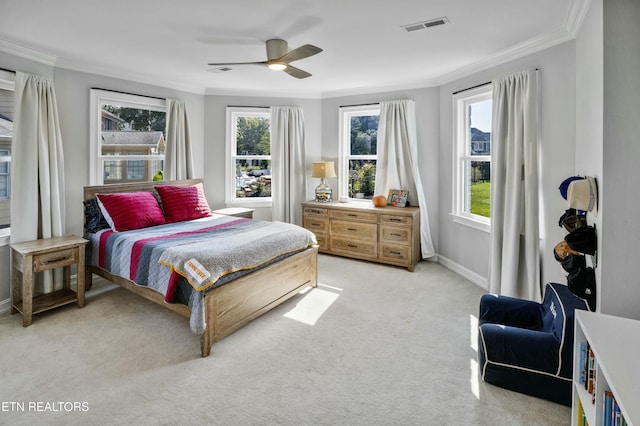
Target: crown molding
301	94
575	16
526	48
578	9
27	53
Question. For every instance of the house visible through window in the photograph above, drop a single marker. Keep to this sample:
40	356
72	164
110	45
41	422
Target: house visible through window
128	141
358	151
248	172
6	135
472	157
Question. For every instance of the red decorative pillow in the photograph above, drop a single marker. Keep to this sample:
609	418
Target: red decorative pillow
130	210
182	203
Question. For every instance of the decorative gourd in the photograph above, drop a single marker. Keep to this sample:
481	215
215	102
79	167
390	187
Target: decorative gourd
379	201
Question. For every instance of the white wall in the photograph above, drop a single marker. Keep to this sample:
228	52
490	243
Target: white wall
467	248
427	116
72	91
215	133
589	113
620	233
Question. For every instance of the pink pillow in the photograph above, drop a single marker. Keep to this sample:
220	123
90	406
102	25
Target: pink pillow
130	210
182	203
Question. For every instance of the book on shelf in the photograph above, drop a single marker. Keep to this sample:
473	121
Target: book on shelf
583	362
611	413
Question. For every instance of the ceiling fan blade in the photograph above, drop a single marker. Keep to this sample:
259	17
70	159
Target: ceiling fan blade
300	53
296	72
237	63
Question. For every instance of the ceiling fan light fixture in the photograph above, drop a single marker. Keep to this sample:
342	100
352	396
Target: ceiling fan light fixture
277	66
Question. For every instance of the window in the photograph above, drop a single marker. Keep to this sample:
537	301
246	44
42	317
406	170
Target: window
472	157
7	102
358	151
248	171
127	137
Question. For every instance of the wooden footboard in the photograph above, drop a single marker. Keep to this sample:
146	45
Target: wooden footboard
229	307
233	305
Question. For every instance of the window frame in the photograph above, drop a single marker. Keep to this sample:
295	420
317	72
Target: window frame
7	82
99	97
462	155
344	150
233	112
6	158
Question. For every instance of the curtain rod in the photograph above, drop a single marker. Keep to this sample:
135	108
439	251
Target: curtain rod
128	93
247	106
473	87
7	70
480	85
359	105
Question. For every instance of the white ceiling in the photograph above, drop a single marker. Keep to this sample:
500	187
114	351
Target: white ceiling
169	43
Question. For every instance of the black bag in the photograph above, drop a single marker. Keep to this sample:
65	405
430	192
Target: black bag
573	263
571	220
582	283
582	240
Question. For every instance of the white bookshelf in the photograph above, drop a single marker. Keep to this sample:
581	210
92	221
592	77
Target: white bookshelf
615	342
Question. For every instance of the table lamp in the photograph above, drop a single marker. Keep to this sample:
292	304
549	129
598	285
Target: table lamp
323	170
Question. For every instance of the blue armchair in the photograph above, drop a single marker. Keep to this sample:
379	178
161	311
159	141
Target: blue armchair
527	346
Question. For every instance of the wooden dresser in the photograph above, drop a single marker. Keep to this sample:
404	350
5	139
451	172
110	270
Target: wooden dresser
360	230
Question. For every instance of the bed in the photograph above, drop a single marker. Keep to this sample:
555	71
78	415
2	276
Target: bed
218	301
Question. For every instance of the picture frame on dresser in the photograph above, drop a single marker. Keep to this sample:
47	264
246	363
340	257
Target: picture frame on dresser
397	198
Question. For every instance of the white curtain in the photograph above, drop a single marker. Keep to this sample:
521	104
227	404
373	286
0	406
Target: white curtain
37	166
289	179
178	161
397	167
515	247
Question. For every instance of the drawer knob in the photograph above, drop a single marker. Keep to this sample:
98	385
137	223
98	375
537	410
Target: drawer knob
351	229
59	259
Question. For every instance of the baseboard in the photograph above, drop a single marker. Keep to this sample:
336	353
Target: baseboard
477	279
5	307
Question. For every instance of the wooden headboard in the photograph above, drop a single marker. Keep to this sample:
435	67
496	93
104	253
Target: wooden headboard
91	191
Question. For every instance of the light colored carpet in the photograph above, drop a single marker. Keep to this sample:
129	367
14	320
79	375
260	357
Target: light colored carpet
373	345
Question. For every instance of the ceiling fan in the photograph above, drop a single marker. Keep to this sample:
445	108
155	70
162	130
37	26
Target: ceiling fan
279	58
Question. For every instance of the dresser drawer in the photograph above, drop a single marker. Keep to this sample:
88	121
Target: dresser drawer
394	253
353	216
316	224
396	220
354	247
395	234
315	212
57	259
355	230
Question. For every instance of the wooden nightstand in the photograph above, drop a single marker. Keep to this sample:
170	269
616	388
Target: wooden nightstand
235	211
30	257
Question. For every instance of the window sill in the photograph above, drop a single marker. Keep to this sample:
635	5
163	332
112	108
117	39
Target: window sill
471	222
252	203
5	236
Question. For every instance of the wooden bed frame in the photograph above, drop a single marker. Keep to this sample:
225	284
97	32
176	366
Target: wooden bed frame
233	305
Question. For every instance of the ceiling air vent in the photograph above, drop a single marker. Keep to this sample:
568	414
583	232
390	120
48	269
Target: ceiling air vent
426	24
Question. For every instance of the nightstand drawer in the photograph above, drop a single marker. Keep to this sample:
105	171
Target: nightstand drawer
355	230
57	259
395	234
354	216
354	247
